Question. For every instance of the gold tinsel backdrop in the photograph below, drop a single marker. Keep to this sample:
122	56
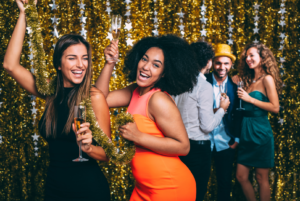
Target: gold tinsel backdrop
24	155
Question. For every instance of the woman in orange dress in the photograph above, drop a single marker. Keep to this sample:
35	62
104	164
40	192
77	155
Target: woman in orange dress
160	66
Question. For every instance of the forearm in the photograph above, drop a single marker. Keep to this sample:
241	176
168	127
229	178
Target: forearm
97	153
209	120
14	49
268	106
163	145
102	82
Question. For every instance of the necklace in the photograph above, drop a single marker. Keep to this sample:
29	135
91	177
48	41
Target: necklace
258	78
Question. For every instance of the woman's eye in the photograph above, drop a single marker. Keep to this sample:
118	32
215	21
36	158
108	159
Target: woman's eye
156	65
86	58
71	58
144	59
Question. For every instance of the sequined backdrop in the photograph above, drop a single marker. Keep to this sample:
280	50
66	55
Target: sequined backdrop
24	154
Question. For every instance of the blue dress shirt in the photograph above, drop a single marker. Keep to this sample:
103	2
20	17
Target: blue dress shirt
218	136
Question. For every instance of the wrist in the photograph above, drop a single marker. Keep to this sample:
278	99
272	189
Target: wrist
139	138
252	100
223	107
22	13
89	150
110	64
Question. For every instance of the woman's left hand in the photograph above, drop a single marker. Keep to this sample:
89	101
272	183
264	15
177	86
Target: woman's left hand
242	94
130	132
84	134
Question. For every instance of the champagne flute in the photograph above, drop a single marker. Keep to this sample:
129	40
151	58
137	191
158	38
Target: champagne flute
116	23
79	118
240	85
223	91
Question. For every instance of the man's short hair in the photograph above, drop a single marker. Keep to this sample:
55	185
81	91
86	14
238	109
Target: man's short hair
203	53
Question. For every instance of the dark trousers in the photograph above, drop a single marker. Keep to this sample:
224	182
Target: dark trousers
223	163
198	161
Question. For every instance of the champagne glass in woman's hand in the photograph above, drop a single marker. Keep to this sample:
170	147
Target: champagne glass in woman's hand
240	85
116	23
79	118
111	52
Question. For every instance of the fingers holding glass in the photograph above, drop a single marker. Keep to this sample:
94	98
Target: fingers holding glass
79	120
111	52
240	88
86	139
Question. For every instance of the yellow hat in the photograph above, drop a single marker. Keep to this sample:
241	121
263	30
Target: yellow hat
224	50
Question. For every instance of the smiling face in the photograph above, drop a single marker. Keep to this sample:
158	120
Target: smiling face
74	63
222	66
252	58
150	68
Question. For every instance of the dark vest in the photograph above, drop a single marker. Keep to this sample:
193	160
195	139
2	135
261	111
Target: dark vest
233	119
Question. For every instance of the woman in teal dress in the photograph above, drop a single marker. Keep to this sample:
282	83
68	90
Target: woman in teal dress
260	74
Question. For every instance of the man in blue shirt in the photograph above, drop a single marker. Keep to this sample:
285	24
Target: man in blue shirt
225	137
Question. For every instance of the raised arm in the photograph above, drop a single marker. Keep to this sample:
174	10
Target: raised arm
168	118
117	98
273	105
11	61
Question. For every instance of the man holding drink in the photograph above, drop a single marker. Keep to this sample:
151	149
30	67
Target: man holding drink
225	137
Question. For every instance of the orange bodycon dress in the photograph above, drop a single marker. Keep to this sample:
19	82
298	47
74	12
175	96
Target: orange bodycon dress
158	177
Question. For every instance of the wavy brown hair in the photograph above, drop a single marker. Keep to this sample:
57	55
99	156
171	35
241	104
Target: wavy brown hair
268	64
79	92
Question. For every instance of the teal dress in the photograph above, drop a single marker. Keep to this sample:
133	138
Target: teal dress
256	147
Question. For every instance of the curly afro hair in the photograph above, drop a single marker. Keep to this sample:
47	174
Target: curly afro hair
203	53
180	67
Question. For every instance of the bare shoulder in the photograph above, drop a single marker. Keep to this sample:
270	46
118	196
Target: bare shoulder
97	95
268	80
161	102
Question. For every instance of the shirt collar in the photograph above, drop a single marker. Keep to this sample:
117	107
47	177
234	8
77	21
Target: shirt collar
215	83
202	75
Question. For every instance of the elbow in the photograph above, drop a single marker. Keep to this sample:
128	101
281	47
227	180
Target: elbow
206	128
276	110
185	149
7	66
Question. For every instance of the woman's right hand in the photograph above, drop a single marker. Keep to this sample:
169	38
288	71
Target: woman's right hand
111	52
21	5
235	79
224	103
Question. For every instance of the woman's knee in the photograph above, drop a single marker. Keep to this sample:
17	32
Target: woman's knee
262	179
242	177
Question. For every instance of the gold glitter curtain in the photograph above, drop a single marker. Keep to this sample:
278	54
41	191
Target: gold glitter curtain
22	174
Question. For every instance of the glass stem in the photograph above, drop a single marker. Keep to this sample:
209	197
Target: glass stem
80	151
240	103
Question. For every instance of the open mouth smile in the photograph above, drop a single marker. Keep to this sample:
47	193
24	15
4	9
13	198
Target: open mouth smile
144	76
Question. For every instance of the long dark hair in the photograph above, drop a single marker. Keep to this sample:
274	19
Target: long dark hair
268	64
78	93
180	66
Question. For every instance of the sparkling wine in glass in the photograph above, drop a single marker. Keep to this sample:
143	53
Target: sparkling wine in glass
116	23
79	118
223	91
240	85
